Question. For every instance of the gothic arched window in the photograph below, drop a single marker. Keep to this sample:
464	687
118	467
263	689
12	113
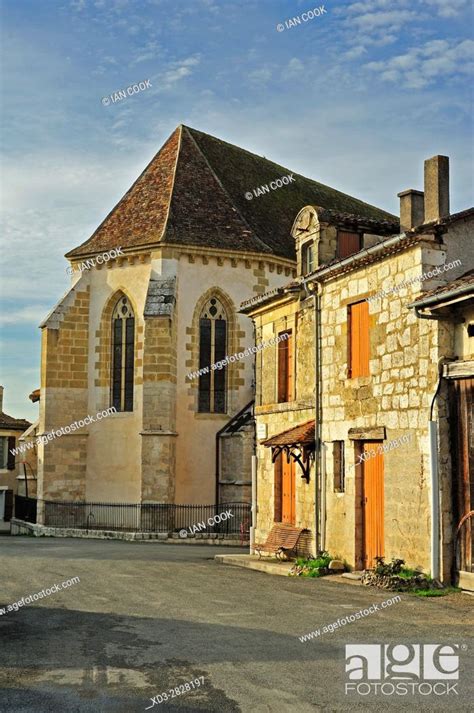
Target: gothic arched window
123	344
212	348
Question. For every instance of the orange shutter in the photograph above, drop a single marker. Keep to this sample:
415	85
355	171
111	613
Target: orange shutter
285	368
277	488
281	372
288	491
289	368
359	339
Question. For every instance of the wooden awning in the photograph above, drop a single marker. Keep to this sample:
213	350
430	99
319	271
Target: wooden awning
297	443
302	434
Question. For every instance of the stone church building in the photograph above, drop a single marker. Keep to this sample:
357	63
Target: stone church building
128	332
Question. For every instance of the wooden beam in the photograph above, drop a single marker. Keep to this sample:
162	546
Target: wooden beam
367	434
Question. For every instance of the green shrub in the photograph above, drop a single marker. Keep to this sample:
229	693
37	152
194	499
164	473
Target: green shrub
312	566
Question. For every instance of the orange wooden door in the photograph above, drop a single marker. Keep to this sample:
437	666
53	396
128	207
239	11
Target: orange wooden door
372	504
288	494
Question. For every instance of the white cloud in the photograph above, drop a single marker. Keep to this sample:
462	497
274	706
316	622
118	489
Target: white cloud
178	70
449	8
32	315
423	66
355	52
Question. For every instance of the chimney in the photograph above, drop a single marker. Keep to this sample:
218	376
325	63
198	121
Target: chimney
412	208
436	188
1	399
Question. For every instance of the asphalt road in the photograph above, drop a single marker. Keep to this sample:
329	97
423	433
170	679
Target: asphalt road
148	617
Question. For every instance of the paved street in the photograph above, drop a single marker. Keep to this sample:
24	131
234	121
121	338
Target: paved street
147	617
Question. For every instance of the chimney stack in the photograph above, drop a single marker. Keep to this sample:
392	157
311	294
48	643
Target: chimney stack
412	208
436	188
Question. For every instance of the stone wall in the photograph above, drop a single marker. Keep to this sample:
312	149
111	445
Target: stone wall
64	367
395	399
235	484
404	352
159	410
276	417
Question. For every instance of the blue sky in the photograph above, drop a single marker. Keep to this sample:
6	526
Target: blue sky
356	98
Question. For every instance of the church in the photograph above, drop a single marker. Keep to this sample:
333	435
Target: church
192	242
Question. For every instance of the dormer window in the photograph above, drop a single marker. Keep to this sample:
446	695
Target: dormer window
348	243
307	258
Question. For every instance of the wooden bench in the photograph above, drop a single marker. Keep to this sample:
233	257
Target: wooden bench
283	538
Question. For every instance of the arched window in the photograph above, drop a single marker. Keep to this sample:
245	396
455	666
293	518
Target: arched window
123	343
212	348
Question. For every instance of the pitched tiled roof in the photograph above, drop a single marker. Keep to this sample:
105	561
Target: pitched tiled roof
13	424
464	285
193	193
378	227
304	433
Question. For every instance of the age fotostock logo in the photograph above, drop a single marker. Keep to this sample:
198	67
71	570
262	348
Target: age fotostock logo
402	669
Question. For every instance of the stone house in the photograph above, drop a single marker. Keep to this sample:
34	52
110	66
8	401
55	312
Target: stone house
345	408
12	471
191	242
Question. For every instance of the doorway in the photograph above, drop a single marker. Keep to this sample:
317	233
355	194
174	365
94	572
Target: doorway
288	491
370	494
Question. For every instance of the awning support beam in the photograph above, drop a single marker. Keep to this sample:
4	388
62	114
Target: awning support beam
302	455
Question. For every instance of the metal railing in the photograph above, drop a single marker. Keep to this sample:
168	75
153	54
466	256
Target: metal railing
25	508
145	517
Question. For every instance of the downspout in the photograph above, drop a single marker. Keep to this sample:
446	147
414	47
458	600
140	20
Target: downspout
434	477
323	497
254	504
434	464
317	418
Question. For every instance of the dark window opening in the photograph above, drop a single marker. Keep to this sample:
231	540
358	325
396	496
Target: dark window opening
123	351
338	466
212	349
307	258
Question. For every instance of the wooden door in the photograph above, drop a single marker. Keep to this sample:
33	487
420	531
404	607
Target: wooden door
462	434
372	504
288	491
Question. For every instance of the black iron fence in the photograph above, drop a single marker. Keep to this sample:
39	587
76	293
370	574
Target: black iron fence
25	508
147	517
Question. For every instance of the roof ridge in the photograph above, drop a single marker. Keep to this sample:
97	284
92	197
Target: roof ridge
306	178
216	177
165	222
